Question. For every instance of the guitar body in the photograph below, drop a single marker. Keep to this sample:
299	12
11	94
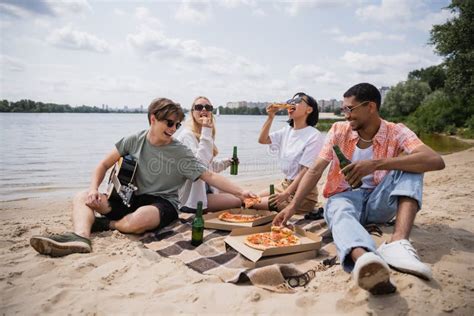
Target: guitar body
120	184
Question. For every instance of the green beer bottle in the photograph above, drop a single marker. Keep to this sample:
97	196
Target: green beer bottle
234	167
272	208
197	227
343	162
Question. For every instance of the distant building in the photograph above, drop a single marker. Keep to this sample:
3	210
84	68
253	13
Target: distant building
383	92
329	105
249	104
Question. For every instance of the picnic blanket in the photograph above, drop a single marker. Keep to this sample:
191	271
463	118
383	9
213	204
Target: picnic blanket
213	258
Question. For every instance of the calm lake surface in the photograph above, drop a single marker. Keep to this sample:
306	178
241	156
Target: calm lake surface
48	154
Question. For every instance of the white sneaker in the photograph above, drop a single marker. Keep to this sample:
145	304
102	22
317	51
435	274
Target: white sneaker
372	274
401	255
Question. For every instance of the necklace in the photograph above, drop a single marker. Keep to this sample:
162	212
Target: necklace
365	140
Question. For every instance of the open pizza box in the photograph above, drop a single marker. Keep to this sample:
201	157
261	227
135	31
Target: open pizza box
308	249
212	220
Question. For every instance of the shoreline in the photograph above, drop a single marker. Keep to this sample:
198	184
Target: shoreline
121	276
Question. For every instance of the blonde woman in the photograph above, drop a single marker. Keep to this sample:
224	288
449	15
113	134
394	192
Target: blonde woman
198	135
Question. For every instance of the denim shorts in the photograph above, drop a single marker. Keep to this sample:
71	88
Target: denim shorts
119	210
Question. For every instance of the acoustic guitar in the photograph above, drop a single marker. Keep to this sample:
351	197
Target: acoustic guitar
120	184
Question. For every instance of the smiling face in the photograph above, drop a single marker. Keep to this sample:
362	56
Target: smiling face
201	108
356	113
163	130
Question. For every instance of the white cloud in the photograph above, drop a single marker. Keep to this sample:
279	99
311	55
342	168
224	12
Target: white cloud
77	40
434	18
121	84
194	12
259	12
293	8
312	73
219	61
24	9
232	4
367	37
8	63
388	11
119	12
144	16
385	64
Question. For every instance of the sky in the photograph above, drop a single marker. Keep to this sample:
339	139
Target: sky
129	52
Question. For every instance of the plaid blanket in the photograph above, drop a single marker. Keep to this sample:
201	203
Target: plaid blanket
212	257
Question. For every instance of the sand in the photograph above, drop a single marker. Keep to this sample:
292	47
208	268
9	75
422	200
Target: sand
120	276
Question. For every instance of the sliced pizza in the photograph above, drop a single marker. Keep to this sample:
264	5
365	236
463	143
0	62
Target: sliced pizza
238	218
277	237
251	201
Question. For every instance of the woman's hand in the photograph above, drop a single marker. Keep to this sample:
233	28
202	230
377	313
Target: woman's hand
206	121
272	110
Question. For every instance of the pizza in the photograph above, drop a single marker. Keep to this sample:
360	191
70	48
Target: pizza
238	218
281	106
251	201
277	237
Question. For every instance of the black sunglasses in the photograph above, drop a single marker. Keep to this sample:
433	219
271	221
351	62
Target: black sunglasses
199	107
171	123
296	100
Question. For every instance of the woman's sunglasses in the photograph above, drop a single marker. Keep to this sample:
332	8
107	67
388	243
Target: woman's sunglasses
171	123
296	100
199	107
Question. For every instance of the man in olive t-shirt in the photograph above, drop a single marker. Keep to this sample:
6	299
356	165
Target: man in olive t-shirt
164	165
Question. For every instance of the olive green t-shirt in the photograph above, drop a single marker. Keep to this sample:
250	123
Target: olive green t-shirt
161	170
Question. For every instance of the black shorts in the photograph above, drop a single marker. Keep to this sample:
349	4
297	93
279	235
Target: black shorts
167	211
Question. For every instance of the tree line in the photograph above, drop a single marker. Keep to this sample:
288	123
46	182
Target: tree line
30	106
439	99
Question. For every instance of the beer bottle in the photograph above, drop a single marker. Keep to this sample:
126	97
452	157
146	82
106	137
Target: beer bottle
234	167
197	227
343	162
272	208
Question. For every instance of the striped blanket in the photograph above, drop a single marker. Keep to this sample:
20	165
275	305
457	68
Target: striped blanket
213	258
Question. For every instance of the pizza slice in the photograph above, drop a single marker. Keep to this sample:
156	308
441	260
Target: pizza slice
238	218
251	201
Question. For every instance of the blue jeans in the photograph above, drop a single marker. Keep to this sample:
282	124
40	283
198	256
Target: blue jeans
348	211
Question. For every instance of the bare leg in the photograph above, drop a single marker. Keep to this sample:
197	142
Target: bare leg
222	201
83	216
264	192
143	219
356	253
407	208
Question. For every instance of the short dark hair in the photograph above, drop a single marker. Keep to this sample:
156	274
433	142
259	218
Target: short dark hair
313	117
364	92
162	108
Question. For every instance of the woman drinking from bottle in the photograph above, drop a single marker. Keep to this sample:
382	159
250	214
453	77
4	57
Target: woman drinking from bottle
198	135
297	145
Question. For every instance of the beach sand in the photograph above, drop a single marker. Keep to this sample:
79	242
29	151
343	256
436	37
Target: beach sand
120	276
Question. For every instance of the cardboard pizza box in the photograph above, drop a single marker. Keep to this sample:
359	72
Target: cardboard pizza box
310	244
211	220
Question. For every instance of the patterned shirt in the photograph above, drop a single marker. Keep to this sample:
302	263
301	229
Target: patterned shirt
390	141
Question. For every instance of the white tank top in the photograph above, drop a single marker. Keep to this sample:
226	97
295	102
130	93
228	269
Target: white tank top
365	154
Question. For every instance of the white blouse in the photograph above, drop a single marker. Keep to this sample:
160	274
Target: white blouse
192	192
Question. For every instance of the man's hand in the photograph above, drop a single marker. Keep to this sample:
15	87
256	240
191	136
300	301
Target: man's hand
282	217
278	199
93	199
354	172
205	121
